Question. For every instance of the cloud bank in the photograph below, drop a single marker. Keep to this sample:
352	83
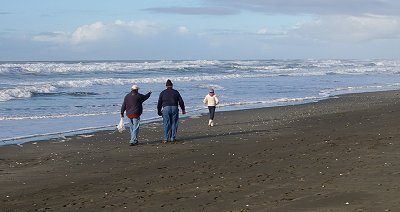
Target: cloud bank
314	7
322	37
350	28
100	32
332	20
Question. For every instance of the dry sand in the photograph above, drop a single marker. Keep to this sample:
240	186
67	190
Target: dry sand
341	154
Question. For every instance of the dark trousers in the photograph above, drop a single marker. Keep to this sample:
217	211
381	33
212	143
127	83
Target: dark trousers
211	110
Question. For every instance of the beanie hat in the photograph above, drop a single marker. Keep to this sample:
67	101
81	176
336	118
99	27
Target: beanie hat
168	83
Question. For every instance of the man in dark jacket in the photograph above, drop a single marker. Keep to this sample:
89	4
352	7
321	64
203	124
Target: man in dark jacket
133	106
167	107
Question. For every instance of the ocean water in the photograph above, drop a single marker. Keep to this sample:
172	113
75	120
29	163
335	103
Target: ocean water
41	100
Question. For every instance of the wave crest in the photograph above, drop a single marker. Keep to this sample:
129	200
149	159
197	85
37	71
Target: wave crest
25	91
107	66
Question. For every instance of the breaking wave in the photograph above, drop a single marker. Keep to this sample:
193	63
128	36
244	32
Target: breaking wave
106	66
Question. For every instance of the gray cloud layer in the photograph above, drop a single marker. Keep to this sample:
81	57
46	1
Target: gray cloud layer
290	7
319	7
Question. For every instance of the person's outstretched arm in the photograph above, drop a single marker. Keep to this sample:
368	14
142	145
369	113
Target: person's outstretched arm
145	97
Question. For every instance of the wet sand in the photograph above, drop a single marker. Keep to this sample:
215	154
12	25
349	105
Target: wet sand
340	154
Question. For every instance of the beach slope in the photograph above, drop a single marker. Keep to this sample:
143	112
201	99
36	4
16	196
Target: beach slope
340	154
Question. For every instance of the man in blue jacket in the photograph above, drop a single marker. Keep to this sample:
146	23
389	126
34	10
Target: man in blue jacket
167	107
133	105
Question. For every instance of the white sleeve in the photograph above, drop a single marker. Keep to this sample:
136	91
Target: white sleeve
216	100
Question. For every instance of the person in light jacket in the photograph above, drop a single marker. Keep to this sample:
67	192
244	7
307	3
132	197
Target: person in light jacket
211	101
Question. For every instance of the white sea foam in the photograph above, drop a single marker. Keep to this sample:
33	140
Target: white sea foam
353	89
54	116
53	134
70	67
271	102
145	80
243	69
214	86
25	91
275	67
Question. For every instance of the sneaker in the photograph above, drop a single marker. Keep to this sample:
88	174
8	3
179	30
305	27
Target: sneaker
131	144
164	142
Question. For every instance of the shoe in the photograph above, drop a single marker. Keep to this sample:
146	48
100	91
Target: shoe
209	122
212	123
164	142
131	144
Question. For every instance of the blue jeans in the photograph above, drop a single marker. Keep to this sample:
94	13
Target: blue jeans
134	128
170	116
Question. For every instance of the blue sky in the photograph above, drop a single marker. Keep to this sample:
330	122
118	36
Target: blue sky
199	29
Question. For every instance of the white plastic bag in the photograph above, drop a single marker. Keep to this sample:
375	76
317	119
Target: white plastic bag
121	125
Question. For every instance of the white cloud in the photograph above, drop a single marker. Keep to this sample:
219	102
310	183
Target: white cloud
99	31
262	31
265	32
183	30
88	33
324	36
54	37
350	28
138	27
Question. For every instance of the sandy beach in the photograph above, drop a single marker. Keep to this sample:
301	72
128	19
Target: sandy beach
340	154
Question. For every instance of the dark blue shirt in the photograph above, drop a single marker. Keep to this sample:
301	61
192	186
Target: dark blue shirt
170	97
